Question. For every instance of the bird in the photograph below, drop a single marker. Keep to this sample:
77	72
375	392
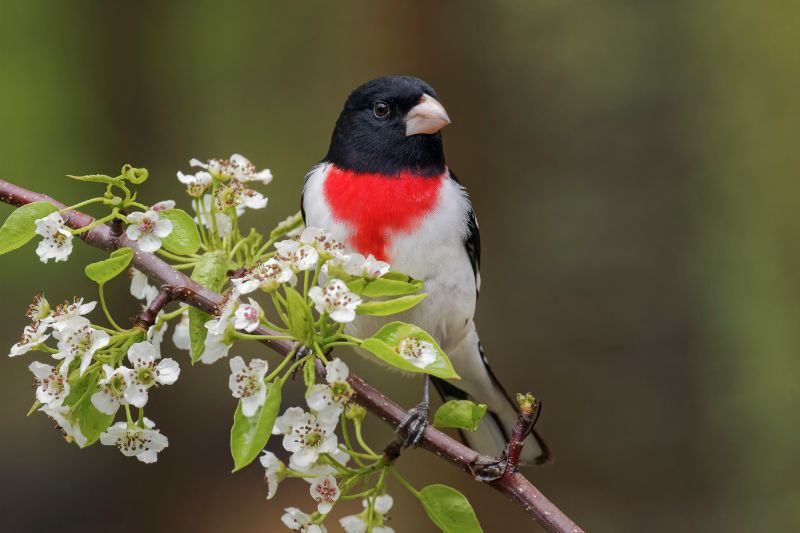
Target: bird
384	189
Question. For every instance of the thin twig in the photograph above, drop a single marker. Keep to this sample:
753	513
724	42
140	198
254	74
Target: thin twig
528	412
514	485
147	318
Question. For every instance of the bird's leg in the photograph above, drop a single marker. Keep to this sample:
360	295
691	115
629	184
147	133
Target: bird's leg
413	426
301	352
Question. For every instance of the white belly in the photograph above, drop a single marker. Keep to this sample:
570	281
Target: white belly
433	252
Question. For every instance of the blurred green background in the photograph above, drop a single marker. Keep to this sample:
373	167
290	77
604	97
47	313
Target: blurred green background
634	168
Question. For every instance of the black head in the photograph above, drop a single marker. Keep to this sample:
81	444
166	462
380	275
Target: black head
390	125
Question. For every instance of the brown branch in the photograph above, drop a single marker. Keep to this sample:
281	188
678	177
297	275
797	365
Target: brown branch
148	316
514	485
528	412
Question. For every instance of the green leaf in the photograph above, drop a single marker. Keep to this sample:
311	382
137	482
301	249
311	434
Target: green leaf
459	414
389	307
19	227
91	421
184	238
384	343
249	435
96	178
449	509
107	269
297	311
391	284
210	273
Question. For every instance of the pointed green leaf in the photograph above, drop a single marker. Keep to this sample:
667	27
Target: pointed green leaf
389	307
391	284
184	238
91	421
449	509
107	269
210	273
384	343
459	414
297	311
249	435
96	178
19	227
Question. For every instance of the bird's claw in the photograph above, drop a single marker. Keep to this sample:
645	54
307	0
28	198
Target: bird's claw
413	426
301	352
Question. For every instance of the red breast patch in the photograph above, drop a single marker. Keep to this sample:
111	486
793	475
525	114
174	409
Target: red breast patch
375	206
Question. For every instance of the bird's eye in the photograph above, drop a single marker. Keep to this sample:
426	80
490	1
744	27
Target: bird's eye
380	109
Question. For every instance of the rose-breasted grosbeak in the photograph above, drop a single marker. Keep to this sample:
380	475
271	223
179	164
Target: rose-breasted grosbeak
384	189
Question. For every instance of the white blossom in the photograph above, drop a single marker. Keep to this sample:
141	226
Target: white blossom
224	224
336	300
57	242
68	314
155	334
148	229
111	390
358	523
237	167
322	241
215	347
274	472
320	468
146	373
69	425
418	352
235	194
297	520
140	286
304	435
197	183
180	337
296	256
79	340
247	383
325	492
247	316
51	387
356	264
329	399
33	335
142	443
163	205
219	324
268	275
39	310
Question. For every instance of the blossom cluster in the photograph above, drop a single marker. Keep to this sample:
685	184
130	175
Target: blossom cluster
89	356
316	456
317	286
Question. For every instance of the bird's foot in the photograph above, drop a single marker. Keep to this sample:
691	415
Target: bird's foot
413	426
301	352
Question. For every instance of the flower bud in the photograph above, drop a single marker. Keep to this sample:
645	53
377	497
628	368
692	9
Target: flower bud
355	412
527	403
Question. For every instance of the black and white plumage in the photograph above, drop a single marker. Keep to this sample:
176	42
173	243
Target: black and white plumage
384	189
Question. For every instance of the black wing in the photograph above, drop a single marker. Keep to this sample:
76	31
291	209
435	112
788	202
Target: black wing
473	241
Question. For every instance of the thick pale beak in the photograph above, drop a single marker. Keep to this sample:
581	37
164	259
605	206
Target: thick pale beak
428	116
